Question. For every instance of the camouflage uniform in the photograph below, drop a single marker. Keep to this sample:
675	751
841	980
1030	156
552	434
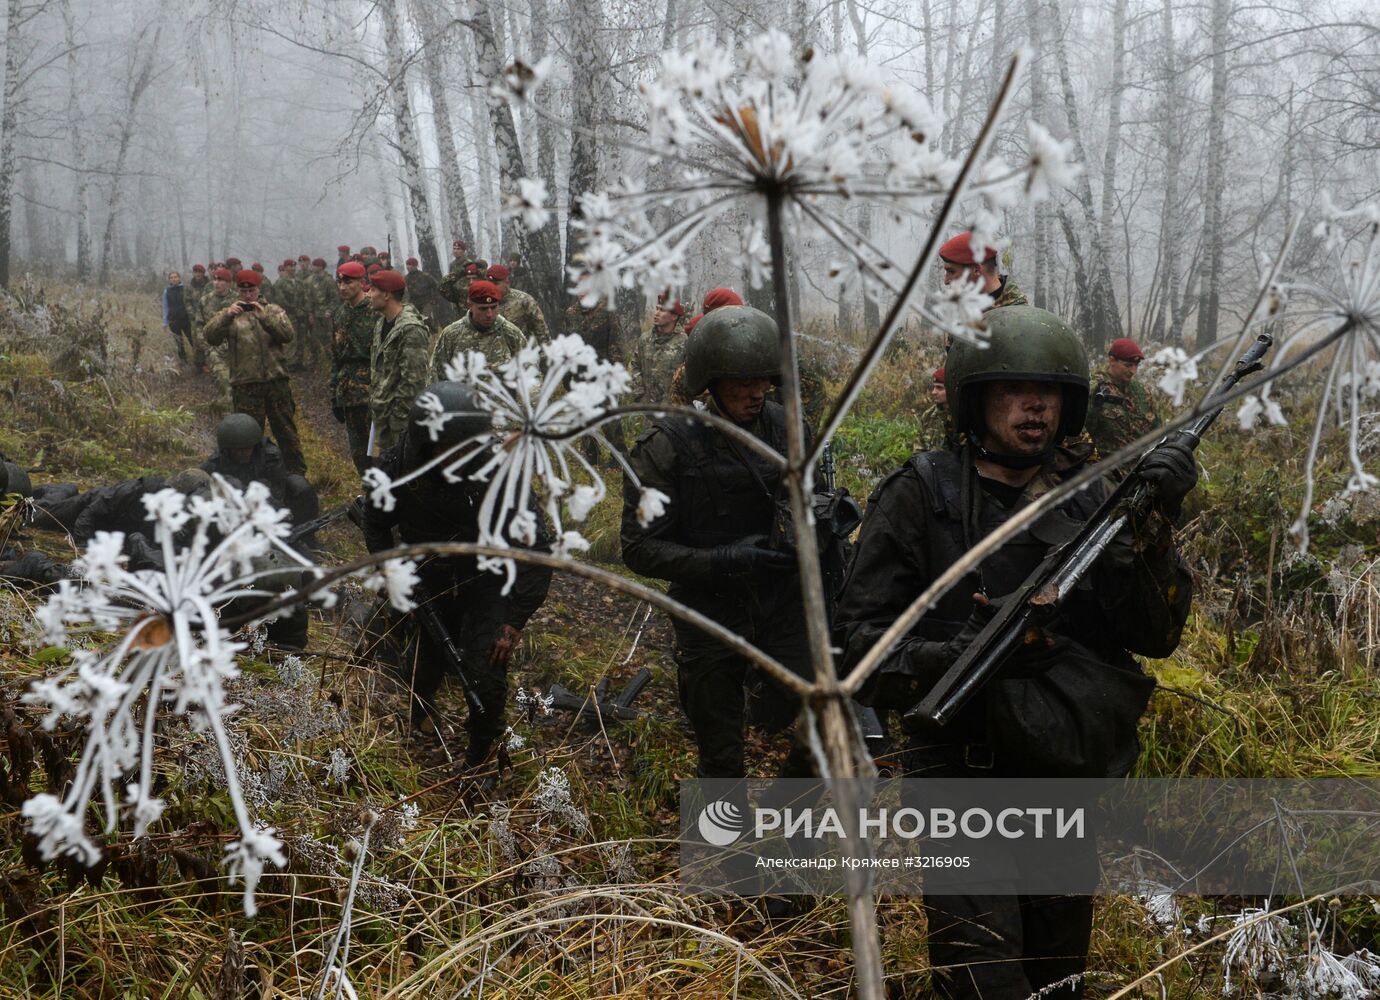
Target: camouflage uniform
291	298
266	290
424	292
254	347
937	431
498	343
196	296
208	306
351	347
397	373
655	361
455	286
598	327
1118	413
522	311
1007	294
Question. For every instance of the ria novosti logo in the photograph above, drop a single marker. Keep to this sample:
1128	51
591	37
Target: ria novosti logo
720	823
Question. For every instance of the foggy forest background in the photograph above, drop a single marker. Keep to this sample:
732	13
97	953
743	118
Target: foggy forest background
140	136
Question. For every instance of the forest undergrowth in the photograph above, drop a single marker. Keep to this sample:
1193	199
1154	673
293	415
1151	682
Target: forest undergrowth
561	880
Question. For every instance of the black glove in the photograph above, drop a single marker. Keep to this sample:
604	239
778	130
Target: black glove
1171	470
749	558
339	413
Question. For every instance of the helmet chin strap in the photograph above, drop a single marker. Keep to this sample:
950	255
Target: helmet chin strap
1014	461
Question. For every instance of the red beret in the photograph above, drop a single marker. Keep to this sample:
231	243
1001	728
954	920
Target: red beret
198	268
939	375
720	297
303	257
343	249
1126	349
373	269
233	262
318	262
497	272
350	269
389	281
248	277
484	293
471	268
676	305
690	326
959	250
458	243
256	266
222	274
385	255
410	261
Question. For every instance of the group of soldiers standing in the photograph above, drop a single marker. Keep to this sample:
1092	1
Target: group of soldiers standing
1016	414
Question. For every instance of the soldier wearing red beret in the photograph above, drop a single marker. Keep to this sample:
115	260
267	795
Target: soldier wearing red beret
342	254
1120	408
352	343
397	363
517	306
255	335
481	329
957	258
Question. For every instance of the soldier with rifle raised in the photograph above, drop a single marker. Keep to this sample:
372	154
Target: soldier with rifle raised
467	625
1014	403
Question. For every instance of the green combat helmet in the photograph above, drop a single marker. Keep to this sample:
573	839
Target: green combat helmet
238	430
1026	344
14	479
470	420
732	342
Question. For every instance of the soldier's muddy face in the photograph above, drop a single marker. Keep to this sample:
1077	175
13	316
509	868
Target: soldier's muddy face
742	399
1020	417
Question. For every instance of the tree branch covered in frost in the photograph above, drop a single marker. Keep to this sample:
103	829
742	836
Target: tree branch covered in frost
825	130
170	648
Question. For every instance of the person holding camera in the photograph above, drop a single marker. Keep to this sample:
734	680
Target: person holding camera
254	335
716	541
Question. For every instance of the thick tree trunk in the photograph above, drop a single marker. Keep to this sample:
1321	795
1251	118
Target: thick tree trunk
541	124
1210	296
9	127
1114	99
536	251
408	147
1170	249
589	88
140	77
1103	319
1041	250
81	203
452	183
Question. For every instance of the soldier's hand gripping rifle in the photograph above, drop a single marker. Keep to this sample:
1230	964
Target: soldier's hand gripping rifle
1020	617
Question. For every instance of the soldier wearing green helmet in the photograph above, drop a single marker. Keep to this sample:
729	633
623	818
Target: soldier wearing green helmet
714	543
1015	402
244	456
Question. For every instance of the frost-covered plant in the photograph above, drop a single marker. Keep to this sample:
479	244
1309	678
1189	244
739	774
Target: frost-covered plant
1258	945
169	651
553	798
818	131
540	403
1345	313
1180	370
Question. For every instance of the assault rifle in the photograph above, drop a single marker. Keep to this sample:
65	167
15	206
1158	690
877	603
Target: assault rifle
592	708
440	635
307	528
1019	618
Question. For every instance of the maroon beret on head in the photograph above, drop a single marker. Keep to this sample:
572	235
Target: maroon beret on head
248	277
198	268
256	266
1125	349
389	281
717	298
959	250
458	245
676	305
471	268
497	272
484	293
303	259
233	262
690	326
222	274
939	375
342	249
318	262
373	268
350	269
410	261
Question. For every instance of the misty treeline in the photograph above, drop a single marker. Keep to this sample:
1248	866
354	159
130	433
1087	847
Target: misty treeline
141	136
